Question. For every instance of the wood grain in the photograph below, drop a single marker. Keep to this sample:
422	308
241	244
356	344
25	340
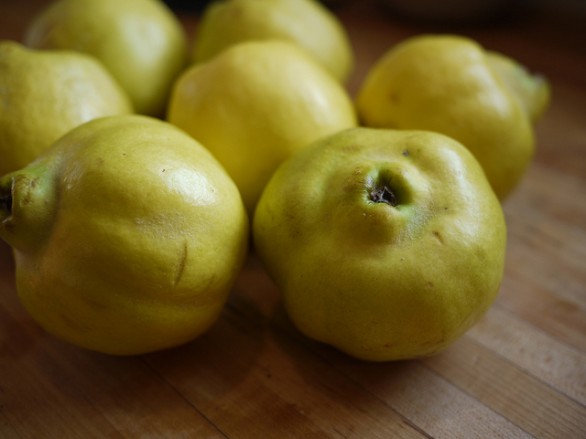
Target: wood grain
520	372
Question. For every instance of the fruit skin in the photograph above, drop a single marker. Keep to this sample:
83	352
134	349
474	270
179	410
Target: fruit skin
127	236
40	99
256	104
306	23
140	42
450	84
377	281
532	91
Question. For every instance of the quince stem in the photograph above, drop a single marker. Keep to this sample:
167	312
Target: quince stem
27	205
5	202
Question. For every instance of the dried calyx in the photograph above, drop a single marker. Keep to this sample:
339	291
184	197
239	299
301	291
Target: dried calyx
383	194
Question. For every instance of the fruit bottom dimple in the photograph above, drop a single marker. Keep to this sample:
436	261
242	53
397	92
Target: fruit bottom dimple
384	188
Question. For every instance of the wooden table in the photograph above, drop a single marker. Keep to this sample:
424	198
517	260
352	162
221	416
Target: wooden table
520	372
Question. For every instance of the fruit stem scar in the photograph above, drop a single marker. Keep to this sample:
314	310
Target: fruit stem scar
5	201
383	194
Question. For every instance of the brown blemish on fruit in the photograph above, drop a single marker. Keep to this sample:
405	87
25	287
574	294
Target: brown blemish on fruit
181	265
32	184
394	97
438	236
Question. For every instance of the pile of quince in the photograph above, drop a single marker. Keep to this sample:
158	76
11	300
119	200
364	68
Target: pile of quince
138	162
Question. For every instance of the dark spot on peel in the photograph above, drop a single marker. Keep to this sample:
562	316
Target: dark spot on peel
438	236
181	265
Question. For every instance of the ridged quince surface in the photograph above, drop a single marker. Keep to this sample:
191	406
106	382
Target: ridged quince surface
44	94
306	23
451	85
141	43
127	235
385	244
256	104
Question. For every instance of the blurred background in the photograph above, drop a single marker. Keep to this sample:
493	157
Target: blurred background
454	12
432	11
522	29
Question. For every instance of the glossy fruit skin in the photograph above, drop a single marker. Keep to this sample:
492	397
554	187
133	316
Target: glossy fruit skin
449	84
306	23
379	281
256	104
532	90
40	99
127	235
141	43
